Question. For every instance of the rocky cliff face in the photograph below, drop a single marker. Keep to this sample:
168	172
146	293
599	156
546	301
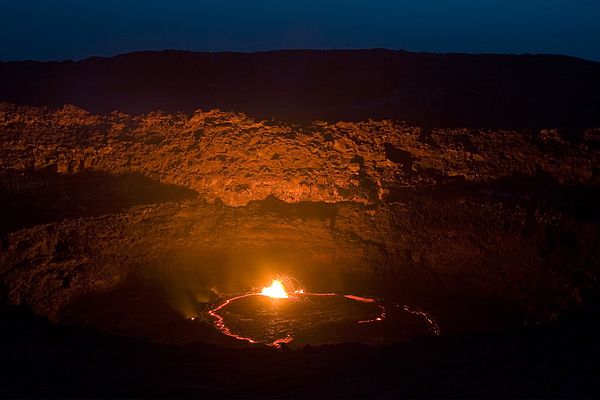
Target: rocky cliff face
235	159
437	218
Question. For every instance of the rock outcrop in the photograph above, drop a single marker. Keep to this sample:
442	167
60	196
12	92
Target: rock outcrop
236	159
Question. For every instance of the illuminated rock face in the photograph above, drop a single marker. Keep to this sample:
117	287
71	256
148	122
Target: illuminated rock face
375	207
235	159
433	249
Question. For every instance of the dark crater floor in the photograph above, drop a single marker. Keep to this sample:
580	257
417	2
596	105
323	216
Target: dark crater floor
552	361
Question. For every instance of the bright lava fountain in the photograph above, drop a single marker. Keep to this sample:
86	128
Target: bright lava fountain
276	290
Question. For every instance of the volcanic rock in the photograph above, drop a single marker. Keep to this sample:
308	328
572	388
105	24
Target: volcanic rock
447	219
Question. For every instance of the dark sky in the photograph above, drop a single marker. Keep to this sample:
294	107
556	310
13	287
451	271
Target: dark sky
75	29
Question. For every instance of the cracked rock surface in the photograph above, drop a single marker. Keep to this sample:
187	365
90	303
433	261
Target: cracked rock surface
233	158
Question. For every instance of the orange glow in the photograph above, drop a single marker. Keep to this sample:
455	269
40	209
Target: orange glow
358	298
433	326
220	323
276	290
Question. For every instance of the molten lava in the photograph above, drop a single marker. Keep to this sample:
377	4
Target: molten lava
276	290
298	301
279	289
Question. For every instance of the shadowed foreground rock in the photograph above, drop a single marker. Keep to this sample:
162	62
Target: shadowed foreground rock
555	361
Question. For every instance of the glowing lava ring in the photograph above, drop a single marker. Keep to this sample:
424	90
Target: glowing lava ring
273	315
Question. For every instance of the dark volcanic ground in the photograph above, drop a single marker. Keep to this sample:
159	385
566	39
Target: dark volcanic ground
482	210
559	360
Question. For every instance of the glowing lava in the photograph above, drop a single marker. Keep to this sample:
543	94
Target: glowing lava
277	314
276	290
285	288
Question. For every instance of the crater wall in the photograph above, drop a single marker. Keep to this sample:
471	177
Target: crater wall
444	219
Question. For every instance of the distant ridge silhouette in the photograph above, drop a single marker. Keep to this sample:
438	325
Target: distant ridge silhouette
433	90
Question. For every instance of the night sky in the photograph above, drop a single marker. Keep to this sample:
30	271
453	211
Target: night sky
73	29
